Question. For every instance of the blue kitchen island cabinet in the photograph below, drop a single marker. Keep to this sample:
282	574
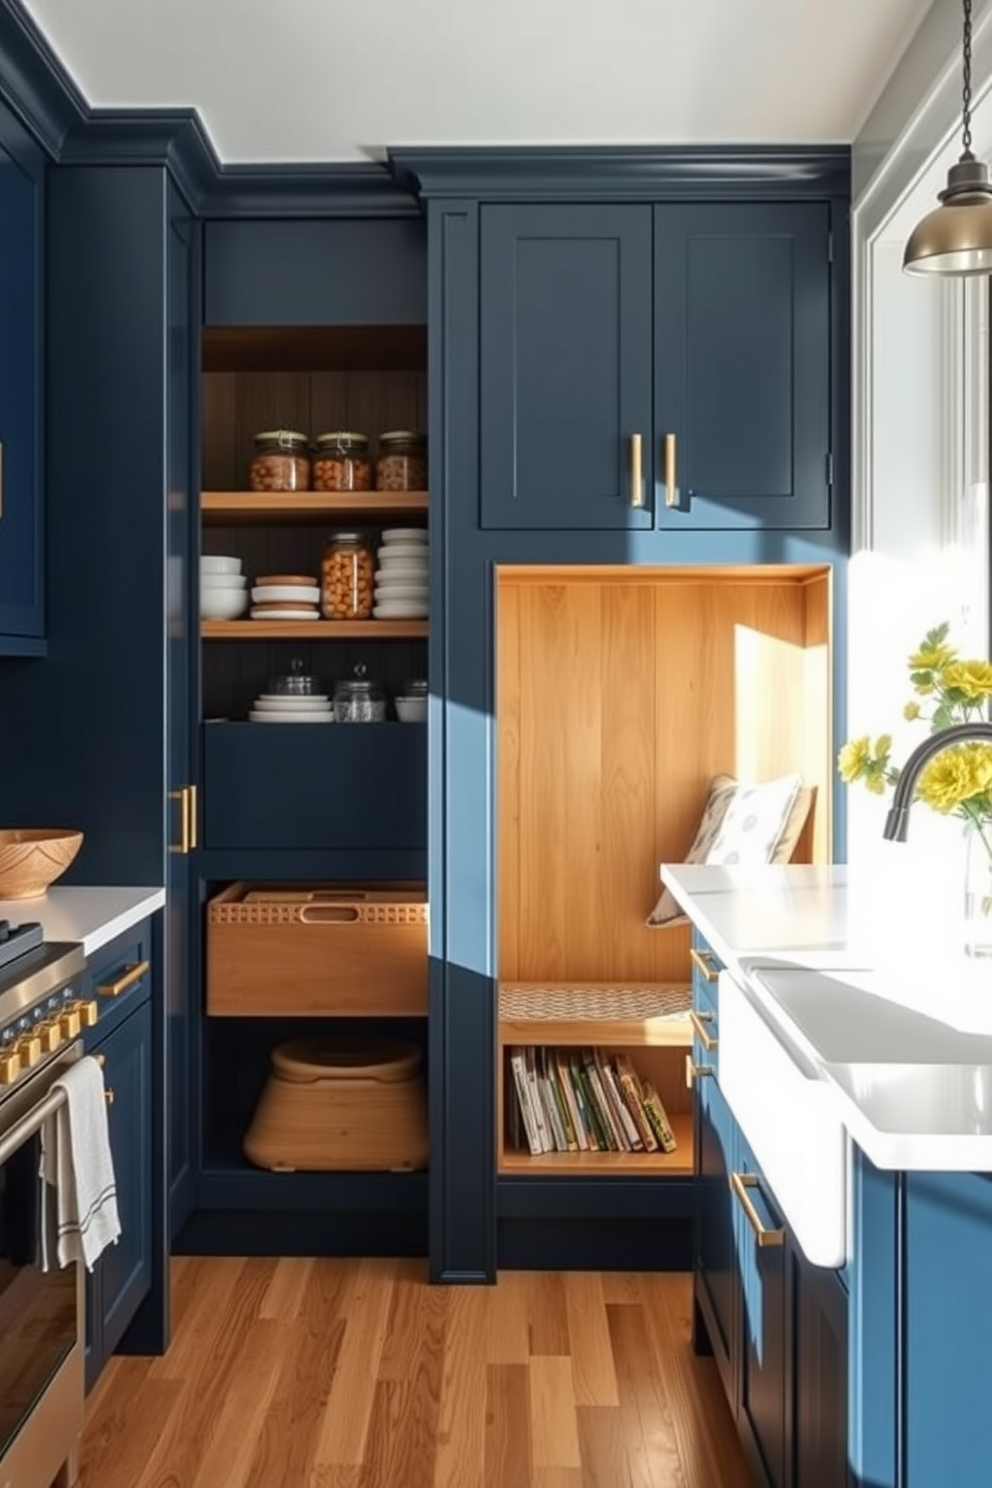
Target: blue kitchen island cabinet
22	188
715	415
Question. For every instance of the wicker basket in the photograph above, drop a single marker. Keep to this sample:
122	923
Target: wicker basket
334	1104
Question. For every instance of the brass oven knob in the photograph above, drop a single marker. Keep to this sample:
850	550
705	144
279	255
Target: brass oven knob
10	1067
69	1023
50	1035
88	1013
29	1048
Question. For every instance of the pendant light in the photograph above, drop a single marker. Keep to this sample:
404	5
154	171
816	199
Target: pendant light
956	238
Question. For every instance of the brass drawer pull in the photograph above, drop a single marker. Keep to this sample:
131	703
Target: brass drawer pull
131	975
767	1239
671	491
703	962
183	845
695	1072
699	1021
636	472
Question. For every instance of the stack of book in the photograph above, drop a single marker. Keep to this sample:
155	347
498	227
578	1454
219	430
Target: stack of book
583	1100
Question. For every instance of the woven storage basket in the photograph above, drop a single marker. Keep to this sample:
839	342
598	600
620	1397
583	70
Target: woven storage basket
346	949
338	1104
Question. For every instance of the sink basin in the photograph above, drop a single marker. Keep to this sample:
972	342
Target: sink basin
932	1099
791	1120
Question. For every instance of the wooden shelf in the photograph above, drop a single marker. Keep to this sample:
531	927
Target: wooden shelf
519	1164
315	506
608	1014
313	630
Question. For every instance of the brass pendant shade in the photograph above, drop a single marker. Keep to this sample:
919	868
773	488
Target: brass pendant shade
956	238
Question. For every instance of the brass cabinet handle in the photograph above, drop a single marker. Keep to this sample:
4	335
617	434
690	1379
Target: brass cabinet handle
702	961
108	1095
671	486
698	1021
636	472
182	796
695	1072
740	1183
131	975
191	809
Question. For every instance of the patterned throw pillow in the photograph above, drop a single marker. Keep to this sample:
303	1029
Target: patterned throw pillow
722	789
755	822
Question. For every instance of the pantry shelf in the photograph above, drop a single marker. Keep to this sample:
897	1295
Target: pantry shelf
218	507
518	1163
620	1014
313	630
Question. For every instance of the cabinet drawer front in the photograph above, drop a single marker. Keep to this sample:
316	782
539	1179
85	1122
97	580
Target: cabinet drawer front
119	978
333	786
565	365
763	1325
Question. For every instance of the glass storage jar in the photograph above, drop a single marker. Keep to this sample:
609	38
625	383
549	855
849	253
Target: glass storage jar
341	462
280	461
402	462
295	683
346	578
358	699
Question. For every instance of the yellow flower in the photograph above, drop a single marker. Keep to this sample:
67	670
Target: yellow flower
853	758
883	748
973	678
911	711
957	775
931	658
876	784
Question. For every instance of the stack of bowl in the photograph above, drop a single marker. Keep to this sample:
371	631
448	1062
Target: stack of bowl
285	597
222	589
401	575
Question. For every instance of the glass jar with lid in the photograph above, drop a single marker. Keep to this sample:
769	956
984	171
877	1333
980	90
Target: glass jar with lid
341	462
402	462
280	461
295	683
358	699
346	578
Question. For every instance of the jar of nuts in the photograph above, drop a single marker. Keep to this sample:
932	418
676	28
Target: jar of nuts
280	461
341	462
402	462
346	578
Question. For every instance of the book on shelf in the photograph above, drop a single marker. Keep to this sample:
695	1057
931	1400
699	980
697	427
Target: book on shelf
570	1100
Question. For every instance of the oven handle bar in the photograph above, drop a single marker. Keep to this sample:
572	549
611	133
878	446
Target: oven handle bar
30	1124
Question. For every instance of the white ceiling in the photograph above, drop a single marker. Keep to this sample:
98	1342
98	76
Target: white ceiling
335	80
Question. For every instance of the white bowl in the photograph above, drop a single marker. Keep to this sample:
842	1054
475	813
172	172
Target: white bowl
296	593
305	615
279	702
400	609
393	535
411	709
411	573
222	604
220	565
386	591
397	552
256	717
222	581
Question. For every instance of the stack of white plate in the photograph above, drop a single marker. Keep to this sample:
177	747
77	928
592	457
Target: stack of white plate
275	707
285	597
401	575
222	589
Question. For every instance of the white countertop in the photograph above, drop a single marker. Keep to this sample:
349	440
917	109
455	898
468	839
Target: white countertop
92	916
868	991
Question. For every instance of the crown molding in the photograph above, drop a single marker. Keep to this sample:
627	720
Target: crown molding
625	173
33	82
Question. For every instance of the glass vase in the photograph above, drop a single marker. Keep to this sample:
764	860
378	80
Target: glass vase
978	897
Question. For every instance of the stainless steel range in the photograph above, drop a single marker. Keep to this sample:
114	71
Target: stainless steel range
42	1322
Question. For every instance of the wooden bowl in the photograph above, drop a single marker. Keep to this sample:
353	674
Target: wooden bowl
31	858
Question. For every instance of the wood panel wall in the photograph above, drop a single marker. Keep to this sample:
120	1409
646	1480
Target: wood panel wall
618	699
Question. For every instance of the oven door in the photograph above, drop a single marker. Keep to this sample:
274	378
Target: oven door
40	1312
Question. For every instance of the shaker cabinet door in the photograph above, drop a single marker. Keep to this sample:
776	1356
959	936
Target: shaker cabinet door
716	1267
764	1331
565	345
126	1267
21	588
742	365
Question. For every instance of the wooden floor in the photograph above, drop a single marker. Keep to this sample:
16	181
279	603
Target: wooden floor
356	1374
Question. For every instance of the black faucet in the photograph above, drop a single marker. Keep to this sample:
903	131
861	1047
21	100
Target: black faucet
897	821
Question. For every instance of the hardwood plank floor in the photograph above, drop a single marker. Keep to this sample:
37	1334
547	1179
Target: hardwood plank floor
356	1374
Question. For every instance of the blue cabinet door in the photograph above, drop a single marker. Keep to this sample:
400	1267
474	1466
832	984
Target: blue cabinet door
565	349
764	1346
21	588
716	1276
126	1268
819	1373
742	365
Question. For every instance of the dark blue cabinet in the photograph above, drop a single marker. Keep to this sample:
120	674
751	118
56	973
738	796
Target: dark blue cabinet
21	569
666	366
717	1276
566	365
764	1333
742	365
819	1318
122	1277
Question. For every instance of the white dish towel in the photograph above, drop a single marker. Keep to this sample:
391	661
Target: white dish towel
76	1162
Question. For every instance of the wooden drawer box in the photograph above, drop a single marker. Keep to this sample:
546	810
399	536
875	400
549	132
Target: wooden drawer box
345	950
